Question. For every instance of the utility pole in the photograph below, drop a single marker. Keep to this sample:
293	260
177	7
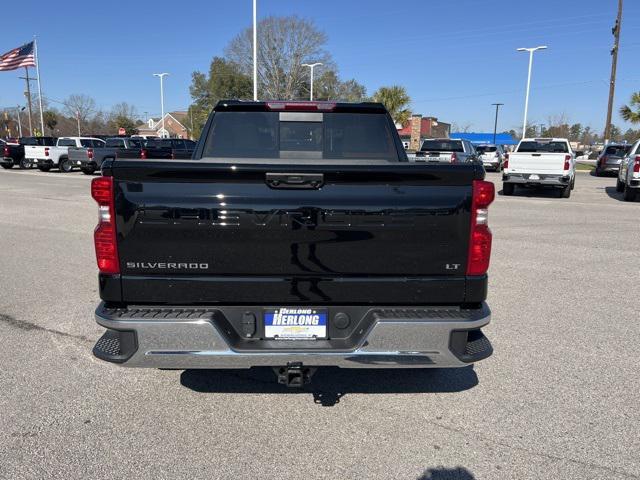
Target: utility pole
27	79
614	65
495	125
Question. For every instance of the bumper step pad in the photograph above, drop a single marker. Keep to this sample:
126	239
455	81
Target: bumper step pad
116	346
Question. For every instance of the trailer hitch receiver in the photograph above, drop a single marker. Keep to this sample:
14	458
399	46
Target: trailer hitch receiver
294	375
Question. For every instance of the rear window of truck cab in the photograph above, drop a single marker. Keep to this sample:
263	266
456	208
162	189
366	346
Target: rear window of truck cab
540	146
301	136
442	146
485	149
617	150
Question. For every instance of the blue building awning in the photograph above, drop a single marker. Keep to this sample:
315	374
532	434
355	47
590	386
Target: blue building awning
484	138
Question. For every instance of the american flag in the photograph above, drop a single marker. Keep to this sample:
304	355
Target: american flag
18	57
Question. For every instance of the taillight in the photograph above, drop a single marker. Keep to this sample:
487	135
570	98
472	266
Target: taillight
143	154
454	157
480	237
104	236
505	164
90	153
46	151
567	162
6	151
636	164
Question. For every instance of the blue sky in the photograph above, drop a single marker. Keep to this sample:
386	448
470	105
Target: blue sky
454	57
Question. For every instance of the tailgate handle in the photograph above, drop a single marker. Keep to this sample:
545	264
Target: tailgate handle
536	154
295	180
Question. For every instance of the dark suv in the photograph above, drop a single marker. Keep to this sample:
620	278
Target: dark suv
610	158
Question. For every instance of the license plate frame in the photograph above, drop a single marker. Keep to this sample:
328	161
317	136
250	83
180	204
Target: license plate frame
295	323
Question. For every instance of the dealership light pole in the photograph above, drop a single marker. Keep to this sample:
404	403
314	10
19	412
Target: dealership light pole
495	125
255	51
19	110
311	66
161	77
526	101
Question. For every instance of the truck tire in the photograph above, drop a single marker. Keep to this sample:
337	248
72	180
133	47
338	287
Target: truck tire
88	170
44	169
25	164
573	183
619	186
598	172
64	165
508	188
7	166
629	194
565	192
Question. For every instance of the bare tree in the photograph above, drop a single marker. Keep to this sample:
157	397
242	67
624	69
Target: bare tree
82	107
284	44
461	128
124	109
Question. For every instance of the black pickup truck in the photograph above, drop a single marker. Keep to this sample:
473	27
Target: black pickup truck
299	235
161	148
13	154
90	158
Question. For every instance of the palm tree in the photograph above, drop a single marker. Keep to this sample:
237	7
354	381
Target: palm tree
396	100
50	120
627	112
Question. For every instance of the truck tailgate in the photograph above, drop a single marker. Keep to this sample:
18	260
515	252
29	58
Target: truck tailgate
35	151
203	232
548	163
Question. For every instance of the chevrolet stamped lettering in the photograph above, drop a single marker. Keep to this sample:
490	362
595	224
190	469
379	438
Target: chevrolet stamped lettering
315	218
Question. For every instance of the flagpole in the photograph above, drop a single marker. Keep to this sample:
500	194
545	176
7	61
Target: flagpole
35	48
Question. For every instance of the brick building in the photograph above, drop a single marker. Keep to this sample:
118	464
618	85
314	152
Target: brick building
174	126
419	128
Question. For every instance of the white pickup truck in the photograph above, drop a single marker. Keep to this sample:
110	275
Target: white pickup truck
46	158
540	162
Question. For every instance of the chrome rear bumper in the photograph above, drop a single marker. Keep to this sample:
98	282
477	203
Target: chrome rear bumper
177	341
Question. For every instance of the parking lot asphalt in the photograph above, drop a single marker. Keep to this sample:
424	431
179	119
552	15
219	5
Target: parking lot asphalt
558	399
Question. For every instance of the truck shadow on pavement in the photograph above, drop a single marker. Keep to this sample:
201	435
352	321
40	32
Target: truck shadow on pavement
611	191
540	192
441	473
330	384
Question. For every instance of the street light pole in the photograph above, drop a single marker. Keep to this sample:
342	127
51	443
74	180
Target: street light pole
311	66
255	51
526	101
495	125
161	77
19	110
